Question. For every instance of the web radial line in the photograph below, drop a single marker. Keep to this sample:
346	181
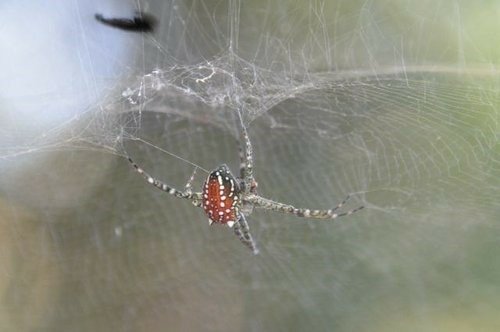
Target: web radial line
171	154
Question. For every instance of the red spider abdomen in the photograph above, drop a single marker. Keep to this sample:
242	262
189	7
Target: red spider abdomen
220	196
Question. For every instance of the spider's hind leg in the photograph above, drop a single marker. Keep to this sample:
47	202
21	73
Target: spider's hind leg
242	231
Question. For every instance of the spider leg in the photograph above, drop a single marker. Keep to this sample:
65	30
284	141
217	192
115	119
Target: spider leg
187	187
242	231
242	161
165	187
246	158
268	204
341	203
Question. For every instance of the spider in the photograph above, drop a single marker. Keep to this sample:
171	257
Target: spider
227	199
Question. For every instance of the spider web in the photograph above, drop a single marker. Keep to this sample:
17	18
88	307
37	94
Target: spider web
393	102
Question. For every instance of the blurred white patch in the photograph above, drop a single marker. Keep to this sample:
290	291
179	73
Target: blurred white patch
57	64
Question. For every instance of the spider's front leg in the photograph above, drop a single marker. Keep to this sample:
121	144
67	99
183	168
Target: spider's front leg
246	159
195	198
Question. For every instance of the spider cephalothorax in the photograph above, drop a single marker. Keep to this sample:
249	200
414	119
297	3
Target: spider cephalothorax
227	200
221	197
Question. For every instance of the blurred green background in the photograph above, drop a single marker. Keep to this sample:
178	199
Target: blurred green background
396	102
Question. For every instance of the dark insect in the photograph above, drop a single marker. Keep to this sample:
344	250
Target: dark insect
141	22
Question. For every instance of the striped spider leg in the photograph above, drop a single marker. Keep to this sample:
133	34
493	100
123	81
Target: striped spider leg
246	160
264	203
187	193
242	231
